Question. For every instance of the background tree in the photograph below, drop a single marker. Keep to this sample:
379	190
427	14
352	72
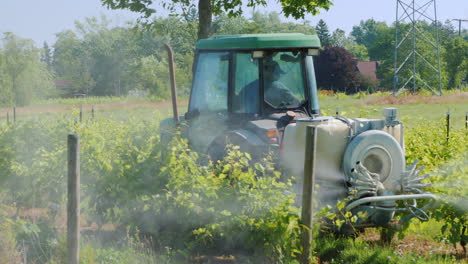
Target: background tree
5	83
71	62
208	8
358	51
339	39
322	32
25	76
456	60
46	56
337	70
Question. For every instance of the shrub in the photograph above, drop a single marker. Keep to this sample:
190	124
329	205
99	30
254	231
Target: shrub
224	207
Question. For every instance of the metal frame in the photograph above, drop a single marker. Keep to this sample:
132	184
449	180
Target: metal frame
409	57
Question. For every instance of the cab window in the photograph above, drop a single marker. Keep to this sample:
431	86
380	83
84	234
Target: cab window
246	84
210	83
283	79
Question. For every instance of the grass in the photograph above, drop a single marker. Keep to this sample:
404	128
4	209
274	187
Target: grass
411	109
411	112
329	249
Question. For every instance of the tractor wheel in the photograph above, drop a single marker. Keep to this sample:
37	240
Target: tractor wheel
217	150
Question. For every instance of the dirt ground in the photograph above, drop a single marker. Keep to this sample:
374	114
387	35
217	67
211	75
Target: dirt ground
417	99
418	245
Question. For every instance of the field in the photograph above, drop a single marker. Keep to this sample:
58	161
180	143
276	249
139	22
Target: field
145	202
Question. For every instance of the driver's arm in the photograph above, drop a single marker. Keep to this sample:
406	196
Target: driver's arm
283	95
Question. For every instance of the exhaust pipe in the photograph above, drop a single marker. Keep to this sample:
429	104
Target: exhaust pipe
170	54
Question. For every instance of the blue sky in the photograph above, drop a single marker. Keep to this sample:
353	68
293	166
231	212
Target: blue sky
41	19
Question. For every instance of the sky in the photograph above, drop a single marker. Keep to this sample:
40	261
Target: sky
40	20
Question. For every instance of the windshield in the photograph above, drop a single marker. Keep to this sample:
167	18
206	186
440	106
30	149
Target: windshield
283	79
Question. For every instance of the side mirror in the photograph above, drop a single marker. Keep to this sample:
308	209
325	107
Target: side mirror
192	114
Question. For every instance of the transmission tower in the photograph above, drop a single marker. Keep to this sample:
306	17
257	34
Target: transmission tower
417	55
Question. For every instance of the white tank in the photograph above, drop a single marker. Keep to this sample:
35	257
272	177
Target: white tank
333	138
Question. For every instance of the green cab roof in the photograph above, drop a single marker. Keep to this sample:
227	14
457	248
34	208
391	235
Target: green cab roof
259	41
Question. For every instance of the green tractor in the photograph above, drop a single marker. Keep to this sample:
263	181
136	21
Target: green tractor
259	92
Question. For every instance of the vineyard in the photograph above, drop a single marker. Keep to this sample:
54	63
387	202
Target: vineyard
143	201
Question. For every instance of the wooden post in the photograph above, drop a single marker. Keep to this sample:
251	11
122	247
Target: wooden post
73	206
448	125
8	117
81	113
308	192
92	111
14	114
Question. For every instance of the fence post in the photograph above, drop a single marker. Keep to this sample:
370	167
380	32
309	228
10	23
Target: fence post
73	206
14	114
8	117
466	120
448	125
92	111
308	192
81	113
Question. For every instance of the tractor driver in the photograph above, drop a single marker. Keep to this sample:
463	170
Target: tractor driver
276	93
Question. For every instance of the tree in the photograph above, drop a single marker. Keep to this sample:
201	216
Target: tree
339	39
358	51
271	23
322	32
337	70
26	77
456	59
46	56
5	82
366	32
71	62
207	8
223	24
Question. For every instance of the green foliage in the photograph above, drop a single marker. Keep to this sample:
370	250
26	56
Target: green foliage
296	9
132	251
9	253
446	161
220	207
452	188
23	77
456	59
323	33
271	23
31	151
329	249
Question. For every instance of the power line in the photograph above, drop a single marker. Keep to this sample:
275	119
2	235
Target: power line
459	24
417	53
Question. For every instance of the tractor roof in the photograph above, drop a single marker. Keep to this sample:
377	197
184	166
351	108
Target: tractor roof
259	41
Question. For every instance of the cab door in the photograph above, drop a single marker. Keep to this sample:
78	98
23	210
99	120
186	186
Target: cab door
208	108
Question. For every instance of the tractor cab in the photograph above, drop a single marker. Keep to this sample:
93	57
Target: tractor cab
244	86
